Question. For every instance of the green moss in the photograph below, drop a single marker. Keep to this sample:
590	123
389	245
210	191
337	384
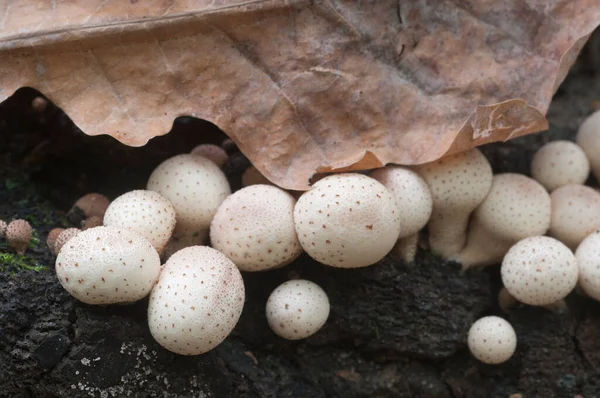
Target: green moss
35	239
9	261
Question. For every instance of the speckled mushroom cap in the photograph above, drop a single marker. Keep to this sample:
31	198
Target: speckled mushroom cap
412	196
458	184
575	214
197	301
146	212
539	270
347	221
588	259
492	340
212	152
92	204
515	208
588	138
52	236
254	228
63	237
107	265
297	309
18	234
195	186
560	163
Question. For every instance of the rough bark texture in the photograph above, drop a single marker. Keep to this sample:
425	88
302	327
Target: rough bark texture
396	330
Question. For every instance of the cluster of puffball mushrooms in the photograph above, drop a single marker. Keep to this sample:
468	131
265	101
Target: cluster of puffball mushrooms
152	242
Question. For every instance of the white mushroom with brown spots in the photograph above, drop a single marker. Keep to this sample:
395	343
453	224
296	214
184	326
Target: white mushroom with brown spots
588	260
197	301
18	235
539	270
254	228
560	163
515	208
212	152
347	221
458	184
108	265
297	309
146	212
63	237
588	138
414	202
492	340
575	214
196	187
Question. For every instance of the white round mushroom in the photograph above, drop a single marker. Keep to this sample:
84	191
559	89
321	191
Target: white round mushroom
146	212
414	202
107	265
539	270
560	163
212	152
516	207
197	301
588	259
458	184
254	228
196	187
588	138
297	309
492	340
347	221
575	214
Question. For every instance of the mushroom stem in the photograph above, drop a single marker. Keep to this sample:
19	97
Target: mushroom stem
405	248
473	256
447	239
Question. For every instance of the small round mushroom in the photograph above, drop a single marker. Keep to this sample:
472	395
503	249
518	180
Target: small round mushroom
212	152
18	234
539	270
92	222
146	212
297	309
92	204
575	214
197	301
3	226
347	220
108	265
52	236
492	340
458	184
516	207
63	238
560	163
254	228
414	202
196	187
252	176
588	259
588	138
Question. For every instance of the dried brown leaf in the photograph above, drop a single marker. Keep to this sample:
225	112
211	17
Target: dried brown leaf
301	86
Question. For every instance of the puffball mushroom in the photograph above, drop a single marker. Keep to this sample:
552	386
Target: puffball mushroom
347	220
63	238
414	202
492	340
18	234
92	222
515	208
108	265
251	176
146	212
588	259
212	152
560	163
196	187
539	270
575	214
52	236
297	309
458	184
197	301
3	226
92	204
254	228
588	138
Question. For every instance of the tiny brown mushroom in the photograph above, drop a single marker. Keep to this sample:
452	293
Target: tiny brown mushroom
91	222
2	228
18	234
52	235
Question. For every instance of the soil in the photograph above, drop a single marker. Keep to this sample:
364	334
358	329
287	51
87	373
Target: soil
395	329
